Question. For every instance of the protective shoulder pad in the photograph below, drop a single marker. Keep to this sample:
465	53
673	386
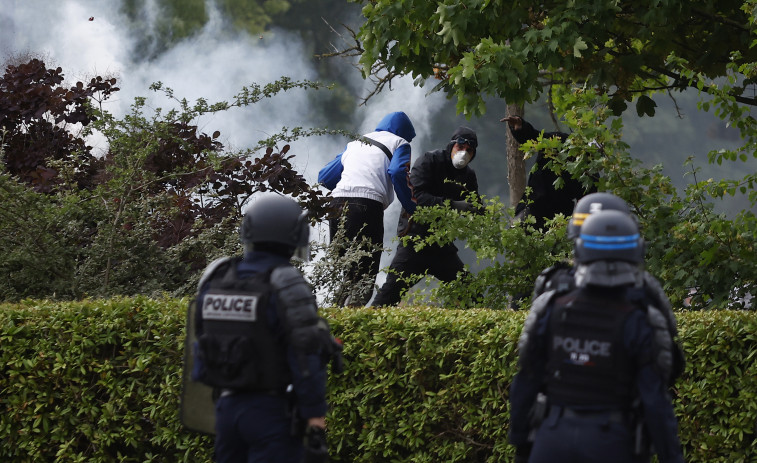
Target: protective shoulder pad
295	297
557	277
662	348
538	308
653	290
211	269
306	332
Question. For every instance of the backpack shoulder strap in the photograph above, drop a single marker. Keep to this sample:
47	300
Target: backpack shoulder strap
381	146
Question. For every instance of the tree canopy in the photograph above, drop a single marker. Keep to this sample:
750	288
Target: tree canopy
593	58
147	215
511	49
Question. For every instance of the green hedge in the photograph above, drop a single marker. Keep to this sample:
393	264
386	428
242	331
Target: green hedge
93	381
99	381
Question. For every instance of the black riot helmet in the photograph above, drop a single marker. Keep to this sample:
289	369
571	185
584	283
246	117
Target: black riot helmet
590	204
609	235
275	220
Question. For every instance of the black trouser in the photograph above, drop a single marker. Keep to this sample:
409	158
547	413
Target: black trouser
363	217
408	267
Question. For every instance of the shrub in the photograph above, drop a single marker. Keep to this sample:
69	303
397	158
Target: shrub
692	249
94	381
99	381
144	217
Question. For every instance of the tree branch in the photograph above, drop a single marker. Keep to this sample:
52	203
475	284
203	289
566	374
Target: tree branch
721	19
695	84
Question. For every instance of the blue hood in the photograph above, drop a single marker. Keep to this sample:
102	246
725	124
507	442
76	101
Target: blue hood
397	123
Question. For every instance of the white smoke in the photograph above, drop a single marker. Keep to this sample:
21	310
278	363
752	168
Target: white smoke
87	38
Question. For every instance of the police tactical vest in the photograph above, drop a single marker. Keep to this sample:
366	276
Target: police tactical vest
587	360
238	349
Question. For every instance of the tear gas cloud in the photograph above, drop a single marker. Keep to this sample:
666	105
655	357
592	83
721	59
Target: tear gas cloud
89	37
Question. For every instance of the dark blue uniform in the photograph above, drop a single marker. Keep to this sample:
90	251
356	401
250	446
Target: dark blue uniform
257	426
593	433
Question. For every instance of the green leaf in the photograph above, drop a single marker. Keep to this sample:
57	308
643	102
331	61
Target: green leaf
645	106
579	46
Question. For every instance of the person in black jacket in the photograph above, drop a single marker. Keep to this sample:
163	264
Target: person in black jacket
546	200
436	177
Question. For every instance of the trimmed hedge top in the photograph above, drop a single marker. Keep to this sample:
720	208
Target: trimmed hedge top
99	381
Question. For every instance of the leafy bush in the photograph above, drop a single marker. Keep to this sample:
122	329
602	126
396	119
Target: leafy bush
716	399
39	118
423	384
513	254
146	217
692	249
99	381
94	381
333	273
166	199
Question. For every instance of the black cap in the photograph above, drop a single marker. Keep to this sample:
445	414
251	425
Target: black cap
466	133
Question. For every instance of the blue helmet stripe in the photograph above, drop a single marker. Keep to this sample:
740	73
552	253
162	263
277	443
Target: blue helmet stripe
609	243
609	247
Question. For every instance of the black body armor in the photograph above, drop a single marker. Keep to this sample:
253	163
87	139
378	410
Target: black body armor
238	349
588	364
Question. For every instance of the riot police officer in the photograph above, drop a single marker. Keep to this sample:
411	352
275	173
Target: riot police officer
561	274
560	277
592	376
261	343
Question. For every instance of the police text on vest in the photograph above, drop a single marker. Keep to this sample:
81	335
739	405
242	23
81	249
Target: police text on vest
230	307
582	346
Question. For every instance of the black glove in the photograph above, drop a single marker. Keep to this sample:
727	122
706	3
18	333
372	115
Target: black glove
522	453
336	357
462	206
316	450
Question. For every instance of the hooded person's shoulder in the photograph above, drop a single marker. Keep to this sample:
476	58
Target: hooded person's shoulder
438	156
427	163
399	124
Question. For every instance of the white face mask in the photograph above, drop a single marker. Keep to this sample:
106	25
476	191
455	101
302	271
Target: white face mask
461	159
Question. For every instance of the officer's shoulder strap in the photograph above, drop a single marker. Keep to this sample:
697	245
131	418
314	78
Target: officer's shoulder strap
653	290
218	265
653	298
554	277
538	308
285	275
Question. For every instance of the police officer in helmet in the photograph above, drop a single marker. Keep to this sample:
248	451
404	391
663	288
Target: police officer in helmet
648	290
261	344
591	385
561	274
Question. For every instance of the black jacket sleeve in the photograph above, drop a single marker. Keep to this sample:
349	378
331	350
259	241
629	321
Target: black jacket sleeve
528	132
435	180
425	181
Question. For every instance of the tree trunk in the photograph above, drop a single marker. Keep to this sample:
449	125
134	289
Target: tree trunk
516	165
